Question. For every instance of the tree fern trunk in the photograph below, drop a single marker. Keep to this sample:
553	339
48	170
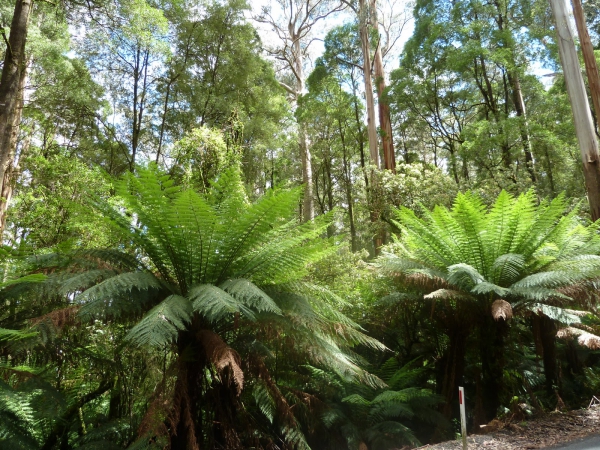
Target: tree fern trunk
186	416
492	337
452	371
547	329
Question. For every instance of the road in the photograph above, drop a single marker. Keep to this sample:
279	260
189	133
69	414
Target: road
589	443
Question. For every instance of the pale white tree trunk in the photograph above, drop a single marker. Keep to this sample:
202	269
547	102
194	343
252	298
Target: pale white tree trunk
370	99
584	127
308	204
385	123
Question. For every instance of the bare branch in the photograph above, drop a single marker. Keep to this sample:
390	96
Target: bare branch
288	88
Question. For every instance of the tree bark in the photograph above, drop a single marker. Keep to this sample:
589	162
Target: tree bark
308	204
591	67
584	127
452	372
366	51
385	122
348	189
491	340
517	94
11	94
548	330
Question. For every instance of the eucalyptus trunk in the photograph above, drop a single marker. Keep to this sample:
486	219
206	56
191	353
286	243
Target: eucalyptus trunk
582	117
517	94
11	96
370	99
385	122
308	204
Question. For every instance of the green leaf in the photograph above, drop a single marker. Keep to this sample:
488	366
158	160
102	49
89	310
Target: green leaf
161	324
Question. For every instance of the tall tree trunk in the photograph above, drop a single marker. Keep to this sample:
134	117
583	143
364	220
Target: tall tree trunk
385	122
591	67
366	51
139	100
11	95
517	95
308	205
584	127
348	188
163	121
364	20
361	141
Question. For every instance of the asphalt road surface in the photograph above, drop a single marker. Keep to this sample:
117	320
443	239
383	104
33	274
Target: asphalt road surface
588	443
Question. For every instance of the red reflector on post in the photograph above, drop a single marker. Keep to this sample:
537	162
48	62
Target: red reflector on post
460	397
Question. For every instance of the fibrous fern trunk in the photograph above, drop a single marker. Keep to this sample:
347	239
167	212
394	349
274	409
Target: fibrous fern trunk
186	416
547	336
492	338
452	367
206	397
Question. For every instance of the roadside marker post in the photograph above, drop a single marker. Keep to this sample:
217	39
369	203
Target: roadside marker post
463	419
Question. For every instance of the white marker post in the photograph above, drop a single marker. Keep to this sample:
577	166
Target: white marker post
463	419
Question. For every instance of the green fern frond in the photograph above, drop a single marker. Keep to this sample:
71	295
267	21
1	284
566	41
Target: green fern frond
464	275
561	315
15	335
120	285
250	295
215	304
485	288
384	430
264	400
162	323
356	400
469	213
85	280
33	278
550	279
507	268
295	437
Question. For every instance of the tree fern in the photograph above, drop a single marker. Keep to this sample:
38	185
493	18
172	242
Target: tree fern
193	270
515	252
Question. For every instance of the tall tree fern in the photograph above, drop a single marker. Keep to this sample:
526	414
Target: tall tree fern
215	281
480	266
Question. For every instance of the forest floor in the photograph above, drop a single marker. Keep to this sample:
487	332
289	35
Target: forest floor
540	433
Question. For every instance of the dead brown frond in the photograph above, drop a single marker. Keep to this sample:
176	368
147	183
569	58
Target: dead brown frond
501	309
584	293
59	318
424	282
222	357
584	338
